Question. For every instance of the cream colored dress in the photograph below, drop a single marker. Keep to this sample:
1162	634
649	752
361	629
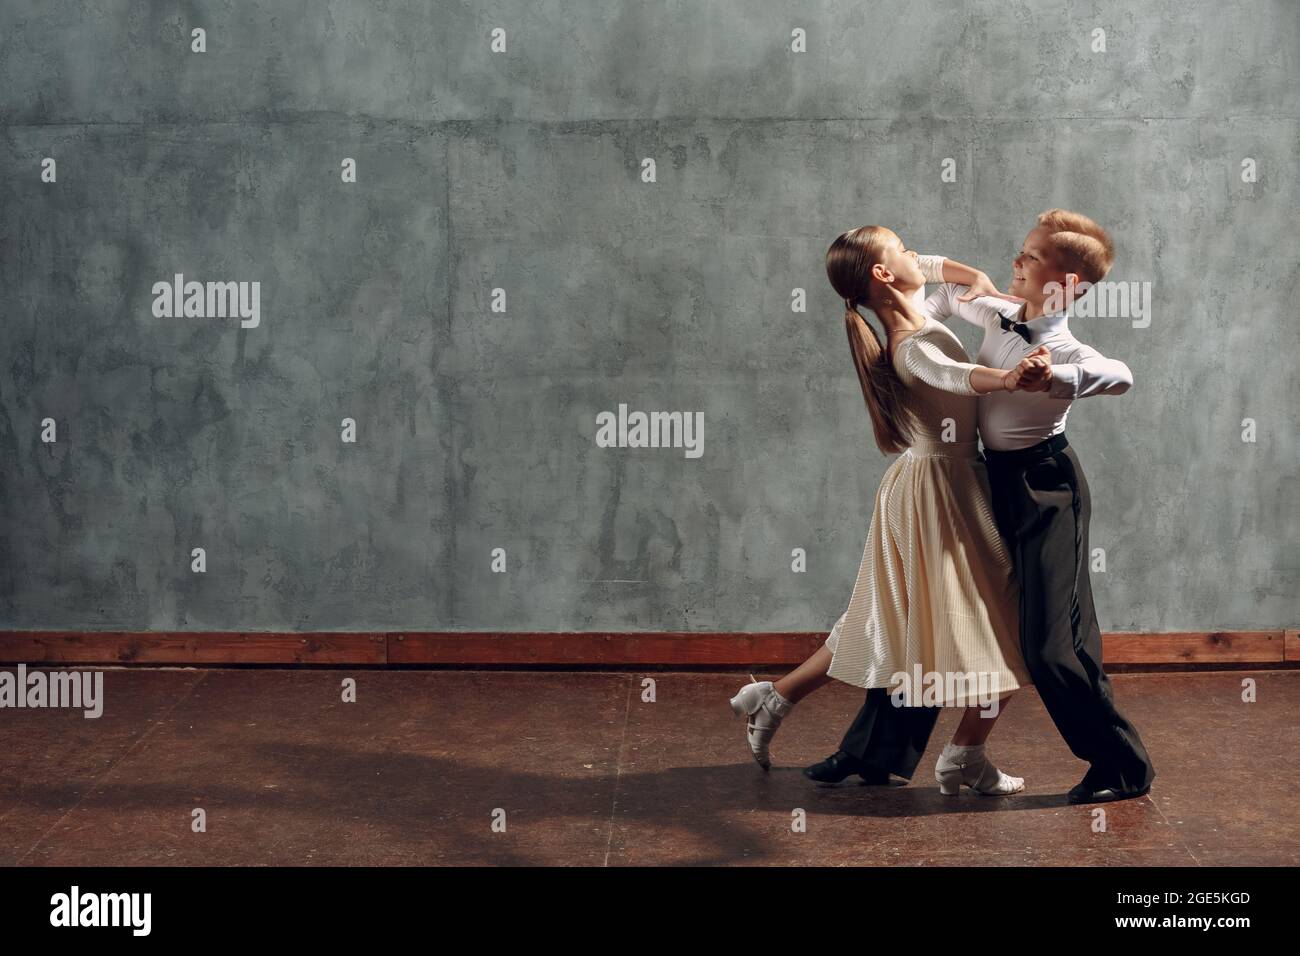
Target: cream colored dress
936	586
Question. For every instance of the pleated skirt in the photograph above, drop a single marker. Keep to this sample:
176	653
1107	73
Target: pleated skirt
936	587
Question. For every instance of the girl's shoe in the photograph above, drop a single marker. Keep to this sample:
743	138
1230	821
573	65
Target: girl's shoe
765	708
972	767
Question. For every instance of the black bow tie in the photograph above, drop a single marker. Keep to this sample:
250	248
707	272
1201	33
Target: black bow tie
1017	327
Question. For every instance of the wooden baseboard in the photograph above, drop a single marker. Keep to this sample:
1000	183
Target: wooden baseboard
191	647
584	649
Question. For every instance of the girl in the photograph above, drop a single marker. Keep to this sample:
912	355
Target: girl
936	587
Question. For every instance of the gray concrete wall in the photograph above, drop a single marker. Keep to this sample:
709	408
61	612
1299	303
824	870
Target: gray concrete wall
522	171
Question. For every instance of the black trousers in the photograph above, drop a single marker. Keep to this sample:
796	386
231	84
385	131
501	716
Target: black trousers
1042	506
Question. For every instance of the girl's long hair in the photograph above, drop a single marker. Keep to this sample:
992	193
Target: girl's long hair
848	266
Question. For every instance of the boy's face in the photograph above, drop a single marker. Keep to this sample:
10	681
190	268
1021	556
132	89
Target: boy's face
1035	267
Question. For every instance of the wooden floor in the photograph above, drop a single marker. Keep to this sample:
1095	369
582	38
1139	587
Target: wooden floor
588	773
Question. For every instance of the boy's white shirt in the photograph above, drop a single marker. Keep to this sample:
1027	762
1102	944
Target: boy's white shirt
1011	420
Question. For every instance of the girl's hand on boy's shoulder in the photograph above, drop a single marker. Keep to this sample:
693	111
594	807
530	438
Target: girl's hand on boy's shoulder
984	286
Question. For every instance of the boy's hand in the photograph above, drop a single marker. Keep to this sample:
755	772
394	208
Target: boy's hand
1034	373
983	285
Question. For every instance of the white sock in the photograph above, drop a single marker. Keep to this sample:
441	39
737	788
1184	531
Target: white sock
782	706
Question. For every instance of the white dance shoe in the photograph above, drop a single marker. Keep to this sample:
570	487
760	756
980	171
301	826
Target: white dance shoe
765	708
971	766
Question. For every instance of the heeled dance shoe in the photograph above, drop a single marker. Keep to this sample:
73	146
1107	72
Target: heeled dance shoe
971	767
760	702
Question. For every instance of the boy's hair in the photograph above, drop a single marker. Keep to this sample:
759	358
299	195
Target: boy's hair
1082	246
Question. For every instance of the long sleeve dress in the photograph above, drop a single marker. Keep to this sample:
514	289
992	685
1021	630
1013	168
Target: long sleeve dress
936	587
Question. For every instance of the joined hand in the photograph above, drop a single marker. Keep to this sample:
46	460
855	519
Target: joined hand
1033	374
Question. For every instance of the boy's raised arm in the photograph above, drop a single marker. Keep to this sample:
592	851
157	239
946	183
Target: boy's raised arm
1082	371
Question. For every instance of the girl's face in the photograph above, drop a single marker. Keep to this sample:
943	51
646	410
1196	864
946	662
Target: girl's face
900	262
